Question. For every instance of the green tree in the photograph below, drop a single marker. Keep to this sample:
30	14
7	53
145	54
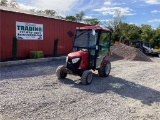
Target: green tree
71	18
93	21
129	31
60	17
38	11
14	4
3	3
79	16
147	33
32	10
156	38
124	28
50	12
115	21
114	25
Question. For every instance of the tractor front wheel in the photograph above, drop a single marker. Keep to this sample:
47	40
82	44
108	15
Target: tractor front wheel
86	77
61	72
105	69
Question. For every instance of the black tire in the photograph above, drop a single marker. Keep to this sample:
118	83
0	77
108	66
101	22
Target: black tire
105	69
61	72
86	77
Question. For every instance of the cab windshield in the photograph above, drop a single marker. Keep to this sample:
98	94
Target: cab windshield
85	38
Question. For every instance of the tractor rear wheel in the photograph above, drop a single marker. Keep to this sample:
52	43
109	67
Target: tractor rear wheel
61	72
86	77
105	69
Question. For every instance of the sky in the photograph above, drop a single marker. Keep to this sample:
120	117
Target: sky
133	11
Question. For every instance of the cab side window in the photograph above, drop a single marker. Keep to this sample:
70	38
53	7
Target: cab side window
104	42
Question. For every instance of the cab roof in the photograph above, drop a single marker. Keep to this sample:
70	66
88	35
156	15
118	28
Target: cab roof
93	27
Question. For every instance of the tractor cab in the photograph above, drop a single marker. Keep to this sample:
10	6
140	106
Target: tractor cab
91	47
94	41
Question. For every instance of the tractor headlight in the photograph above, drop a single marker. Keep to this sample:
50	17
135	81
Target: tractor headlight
75	60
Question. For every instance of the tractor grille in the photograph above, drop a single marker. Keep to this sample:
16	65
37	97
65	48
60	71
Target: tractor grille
73	67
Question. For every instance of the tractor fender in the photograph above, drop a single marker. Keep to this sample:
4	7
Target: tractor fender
105	57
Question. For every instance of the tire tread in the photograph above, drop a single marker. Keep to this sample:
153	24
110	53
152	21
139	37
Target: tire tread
101	70
60	72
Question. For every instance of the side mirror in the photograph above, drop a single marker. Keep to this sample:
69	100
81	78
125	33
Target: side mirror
70	34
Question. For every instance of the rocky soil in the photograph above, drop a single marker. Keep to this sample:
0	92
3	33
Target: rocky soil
33	92
121	51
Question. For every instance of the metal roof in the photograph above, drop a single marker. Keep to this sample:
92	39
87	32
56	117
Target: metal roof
10	9
93	27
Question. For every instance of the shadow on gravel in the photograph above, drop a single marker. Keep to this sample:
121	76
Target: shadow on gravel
115	57
120	86
29	70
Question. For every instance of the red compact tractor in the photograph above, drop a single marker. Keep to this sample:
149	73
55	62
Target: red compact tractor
91	48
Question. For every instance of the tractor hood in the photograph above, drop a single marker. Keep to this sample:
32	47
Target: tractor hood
77	54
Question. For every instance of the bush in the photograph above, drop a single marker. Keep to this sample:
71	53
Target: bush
36	54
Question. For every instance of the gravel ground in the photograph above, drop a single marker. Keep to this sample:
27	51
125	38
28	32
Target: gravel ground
32	92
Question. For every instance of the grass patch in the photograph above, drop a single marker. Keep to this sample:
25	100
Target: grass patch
156	50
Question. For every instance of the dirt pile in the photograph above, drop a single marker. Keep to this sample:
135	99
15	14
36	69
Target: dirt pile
122	51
